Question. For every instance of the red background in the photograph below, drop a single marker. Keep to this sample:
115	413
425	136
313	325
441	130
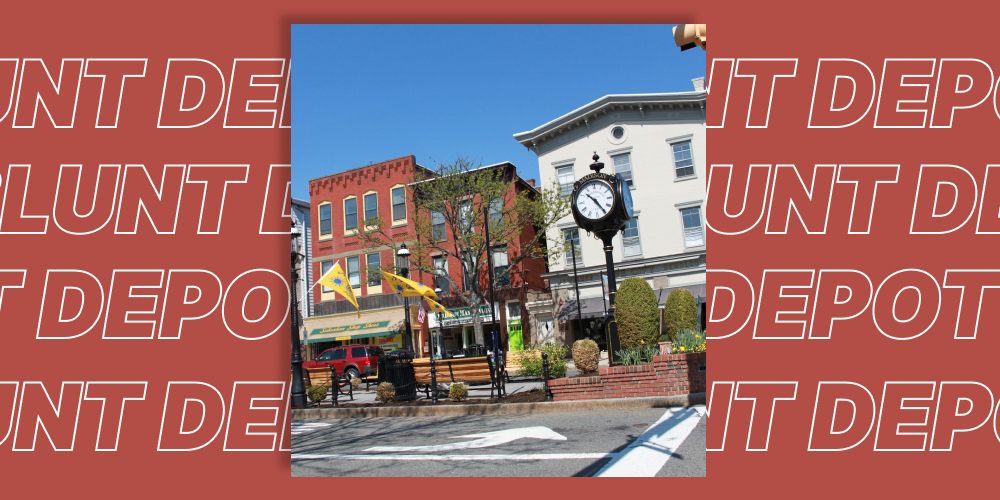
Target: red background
222	32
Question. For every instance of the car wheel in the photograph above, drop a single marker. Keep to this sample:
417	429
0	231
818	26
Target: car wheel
353	373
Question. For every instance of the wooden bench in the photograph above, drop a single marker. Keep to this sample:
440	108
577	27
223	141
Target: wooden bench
325	377
479	369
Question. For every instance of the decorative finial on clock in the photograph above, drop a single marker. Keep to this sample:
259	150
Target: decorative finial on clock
596	166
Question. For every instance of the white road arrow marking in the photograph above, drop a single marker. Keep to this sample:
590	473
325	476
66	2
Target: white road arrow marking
485	440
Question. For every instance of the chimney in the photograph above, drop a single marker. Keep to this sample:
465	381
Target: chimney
531	182
699	83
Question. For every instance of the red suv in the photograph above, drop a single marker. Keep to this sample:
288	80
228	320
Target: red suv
354	360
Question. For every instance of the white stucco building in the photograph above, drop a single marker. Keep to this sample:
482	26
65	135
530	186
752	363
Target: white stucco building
657	142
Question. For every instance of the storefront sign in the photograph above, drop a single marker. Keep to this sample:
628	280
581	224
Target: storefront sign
349	328
463	316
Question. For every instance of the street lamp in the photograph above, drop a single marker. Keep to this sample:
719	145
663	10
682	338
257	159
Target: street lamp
298	390
403	261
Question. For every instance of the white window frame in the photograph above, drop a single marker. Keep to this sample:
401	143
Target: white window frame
357	220
319	221
347	262
392	207
689	138
565	189
631	168
681	207
638	235
444	226
364	208
567	263
372	289
326	293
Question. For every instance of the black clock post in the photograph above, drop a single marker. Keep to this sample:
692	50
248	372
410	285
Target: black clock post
602	205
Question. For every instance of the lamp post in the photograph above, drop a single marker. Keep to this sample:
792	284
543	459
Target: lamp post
434	381
403	261
298	398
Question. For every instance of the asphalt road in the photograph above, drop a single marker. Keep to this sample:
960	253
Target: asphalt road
642	442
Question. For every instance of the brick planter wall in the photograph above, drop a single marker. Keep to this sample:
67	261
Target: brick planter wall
667	375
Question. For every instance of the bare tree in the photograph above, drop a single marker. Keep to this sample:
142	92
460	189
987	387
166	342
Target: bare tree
452	203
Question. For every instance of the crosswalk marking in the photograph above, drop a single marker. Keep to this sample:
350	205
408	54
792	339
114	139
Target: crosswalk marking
650	451
304	427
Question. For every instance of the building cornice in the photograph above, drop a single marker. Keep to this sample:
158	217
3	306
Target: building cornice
585	115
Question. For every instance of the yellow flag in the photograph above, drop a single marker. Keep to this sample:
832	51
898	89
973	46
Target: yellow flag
337	279
408	288
438	308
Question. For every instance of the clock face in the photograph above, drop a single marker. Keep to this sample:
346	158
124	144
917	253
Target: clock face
627	197
595	200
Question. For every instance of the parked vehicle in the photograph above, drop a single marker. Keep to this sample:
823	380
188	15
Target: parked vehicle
353	360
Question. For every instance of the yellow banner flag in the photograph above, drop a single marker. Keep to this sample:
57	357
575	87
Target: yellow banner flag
337	279
438	308
408	288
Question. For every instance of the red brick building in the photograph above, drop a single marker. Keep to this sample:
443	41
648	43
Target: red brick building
523	284
339	204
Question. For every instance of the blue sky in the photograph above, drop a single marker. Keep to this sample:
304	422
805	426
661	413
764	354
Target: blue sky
367	93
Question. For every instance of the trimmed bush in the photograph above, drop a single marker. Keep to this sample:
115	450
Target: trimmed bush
458	392
638	314
385	392
316	393
679	313
531	366
586	355
355	383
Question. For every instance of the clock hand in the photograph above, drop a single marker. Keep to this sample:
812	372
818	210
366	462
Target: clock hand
603	211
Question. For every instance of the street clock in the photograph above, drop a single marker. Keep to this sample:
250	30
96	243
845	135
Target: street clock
601	202
602	205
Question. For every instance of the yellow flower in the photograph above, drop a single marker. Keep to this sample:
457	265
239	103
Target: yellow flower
682	348
643	342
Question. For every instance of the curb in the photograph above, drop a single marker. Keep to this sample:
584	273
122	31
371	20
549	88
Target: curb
500	409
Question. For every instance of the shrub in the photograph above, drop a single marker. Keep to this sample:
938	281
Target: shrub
637	312
679	313
385	392
458	392
355	383
586	355
639	355
531	366
688	341
316	393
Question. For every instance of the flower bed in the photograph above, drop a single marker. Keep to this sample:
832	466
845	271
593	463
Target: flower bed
667	375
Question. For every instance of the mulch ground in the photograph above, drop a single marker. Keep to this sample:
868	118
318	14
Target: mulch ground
521	397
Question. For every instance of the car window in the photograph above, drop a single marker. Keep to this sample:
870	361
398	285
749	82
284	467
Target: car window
325	356
358	352
374	351
339	354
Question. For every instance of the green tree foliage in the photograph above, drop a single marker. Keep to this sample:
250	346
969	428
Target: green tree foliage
679	313
450	205
638	314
